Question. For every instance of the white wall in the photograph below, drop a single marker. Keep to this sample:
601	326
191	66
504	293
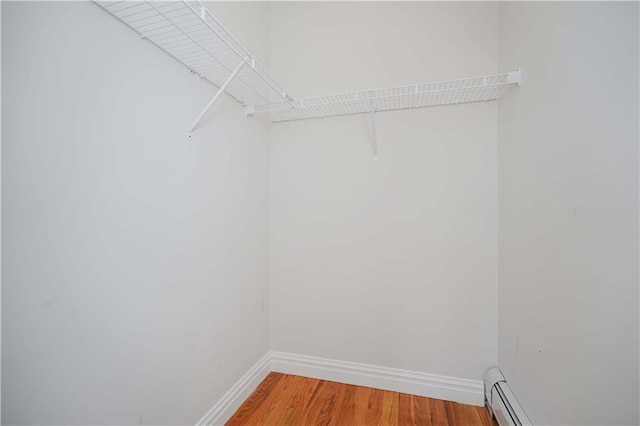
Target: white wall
0	215
135	262
569	211
391	263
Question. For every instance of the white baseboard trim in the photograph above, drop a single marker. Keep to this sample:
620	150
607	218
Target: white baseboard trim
393	379
413	382
229	403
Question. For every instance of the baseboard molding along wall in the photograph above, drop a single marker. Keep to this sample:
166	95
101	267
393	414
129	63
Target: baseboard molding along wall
393	379
232	400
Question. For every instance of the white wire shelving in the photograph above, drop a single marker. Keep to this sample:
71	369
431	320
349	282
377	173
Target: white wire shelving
187	31
449	92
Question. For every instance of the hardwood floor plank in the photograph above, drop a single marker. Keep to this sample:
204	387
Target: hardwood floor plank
272	403
314	404
389	415
277	406
485	416
438	413
296	409
406	411
455	416
345	407
422	411
459	414
322	404
333	398
255	400
472	415
374	407
283	399
361	400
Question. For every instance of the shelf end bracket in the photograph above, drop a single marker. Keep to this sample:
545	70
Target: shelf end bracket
514	77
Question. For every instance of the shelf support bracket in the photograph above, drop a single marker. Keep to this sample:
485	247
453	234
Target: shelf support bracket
216	96
515	77
374	143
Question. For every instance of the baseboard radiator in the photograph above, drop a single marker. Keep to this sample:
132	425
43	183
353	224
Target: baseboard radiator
502	403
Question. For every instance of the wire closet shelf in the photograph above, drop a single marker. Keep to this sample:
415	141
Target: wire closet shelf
449	92
187	31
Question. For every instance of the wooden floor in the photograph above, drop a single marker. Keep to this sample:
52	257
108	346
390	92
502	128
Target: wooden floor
282	399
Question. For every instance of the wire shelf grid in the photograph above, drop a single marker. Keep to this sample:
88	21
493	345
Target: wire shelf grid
449	92
187	31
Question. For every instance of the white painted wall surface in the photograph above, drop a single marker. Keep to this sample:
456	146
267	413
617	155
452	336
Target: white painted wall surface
390	263
569	211
0	214
135	262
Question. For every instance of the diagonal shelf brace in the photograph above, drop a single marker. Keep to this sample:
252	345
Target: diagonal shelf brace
374	143
216	96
